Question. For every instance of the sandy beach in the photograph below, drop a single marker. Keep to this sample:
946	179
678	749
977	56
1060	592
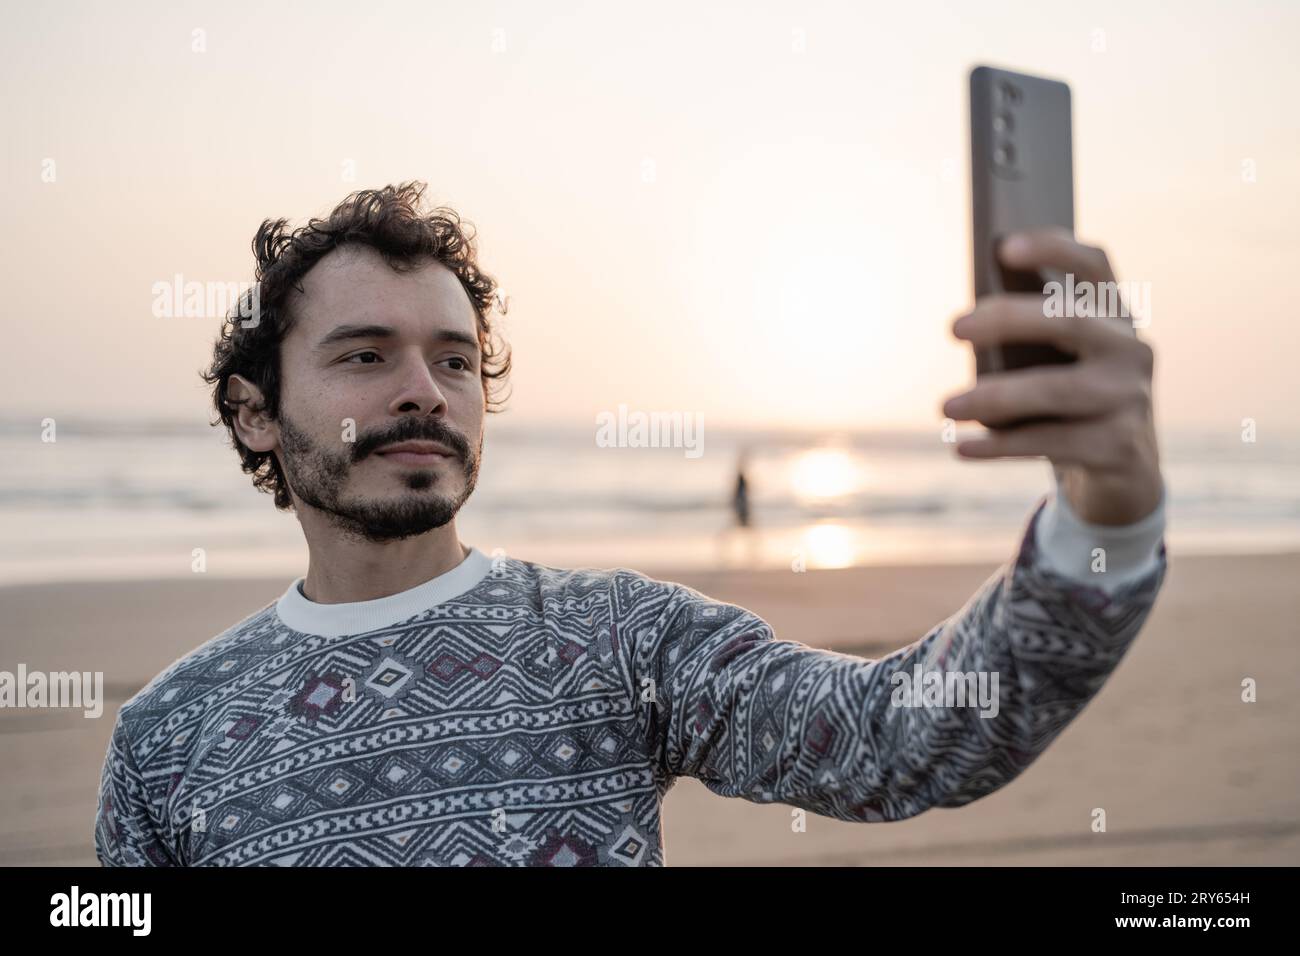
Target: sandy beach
1187	772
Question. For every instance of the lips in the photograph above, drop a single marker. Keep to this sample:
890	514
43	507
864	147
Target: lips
416	452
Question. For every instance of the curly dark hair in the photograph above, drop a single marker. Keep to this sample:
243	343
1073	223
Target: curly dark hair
393	222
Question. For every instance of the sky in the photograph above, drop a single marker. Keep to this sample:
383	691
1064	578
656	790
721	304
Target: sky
754	212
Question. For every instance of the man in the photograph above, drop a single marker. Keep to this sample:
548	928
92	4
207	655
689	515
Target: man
411	701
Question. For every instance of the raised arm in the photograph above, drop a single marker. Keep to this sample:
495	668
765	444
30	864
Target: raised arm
772	720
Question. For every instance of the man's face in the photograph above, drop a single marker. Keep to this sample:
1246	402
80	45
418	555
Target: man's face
398	355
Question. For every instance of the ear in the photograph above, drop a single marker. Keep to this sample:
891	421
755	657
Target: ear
255	429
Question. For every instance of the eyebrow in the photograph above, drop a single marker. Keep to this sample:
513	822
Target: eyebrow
346	333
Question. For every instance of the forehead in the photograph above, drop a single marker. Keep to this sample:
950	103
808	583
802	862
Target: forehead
353	284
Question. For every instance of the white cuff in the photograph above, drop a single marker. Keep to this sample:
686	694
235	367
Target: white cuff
1066	544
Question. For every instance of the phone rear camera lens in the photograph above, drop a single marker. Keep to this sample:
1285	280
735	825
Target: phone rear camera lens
1010	92
1002	123
1004	155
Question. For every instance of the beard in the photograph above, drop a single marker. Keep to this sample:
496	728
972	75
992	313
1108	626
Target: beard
318	474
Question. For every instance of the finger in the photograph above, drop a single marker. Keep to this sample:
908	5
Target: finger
1055	248
1070	443
1020	318
1057	391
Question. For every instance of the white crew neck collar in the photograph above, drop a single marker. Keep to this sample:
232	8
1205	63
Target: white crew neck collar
359	617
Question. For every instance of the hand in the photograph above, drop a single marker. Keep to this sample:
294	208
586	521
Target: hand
1103	449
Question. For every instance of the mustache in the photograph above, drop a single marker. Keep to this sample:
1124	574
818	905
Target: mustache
412	429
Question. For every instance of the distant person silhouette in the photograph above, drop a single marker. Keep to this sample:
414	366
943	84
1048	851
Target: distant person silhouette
740	496
739	533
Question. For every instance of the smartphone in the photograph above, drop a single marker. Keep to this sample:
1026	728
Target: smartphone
1022	177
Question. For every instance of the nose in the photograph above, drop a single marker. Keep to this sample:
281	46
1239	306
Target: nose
418	390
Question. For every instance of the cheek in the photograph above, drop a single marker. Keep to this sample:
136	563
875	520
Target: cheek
301	397
338	413
331	421
471	426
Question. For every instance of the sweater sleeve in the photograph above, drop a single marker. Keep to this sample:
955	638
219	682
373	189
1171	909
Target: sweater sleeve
776	721
125	831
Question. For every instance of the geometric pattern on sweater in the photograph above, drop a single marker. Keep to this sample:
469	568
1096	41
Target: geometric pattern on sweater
539	718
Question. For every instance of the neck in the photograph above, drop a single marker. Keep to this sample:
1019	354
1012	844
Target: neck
344	569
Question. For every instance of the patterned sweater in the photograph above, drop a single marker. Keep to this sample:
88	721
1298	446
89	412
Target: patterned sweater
510	713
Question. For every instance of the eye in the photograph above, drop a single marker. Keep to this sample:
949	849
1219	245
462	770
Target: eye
359	355
465	364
